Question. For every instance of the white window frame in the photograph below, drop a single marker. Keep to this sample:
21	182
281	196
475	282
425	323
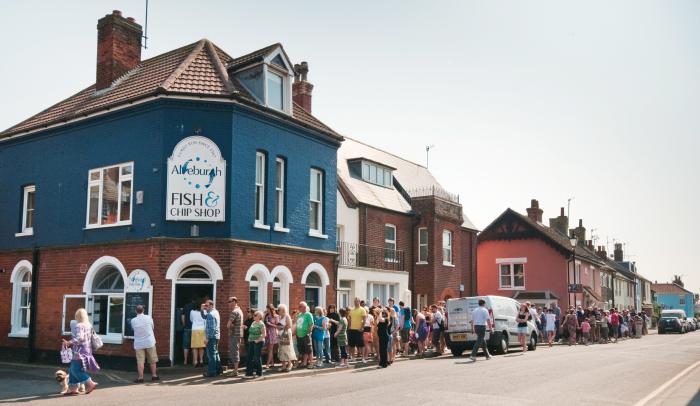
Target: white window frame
316	173
511	268
64	315
379	172
423	244
447	258
255	284
344	292
270	68
100	183
260	159
25	199
281	167
392	242
22	268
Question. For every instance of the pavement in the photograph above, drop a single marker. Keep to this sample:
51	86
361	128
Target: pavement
654	370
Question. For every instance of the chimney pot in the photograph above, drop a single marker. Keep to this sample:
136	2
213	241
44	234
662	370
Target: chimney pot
118	48
117	13
562	212
534	211
131	19
580	222
301	88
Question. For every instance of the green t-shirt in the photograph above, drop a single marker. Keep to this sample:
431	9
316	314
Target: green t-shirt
255	331
342	332
304	323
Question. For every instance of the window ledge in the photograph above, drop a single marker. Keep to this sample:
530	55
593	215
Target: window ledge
112	339
516	288
281	229
317	234
93	227
261	226
18	334
24	234
448	264
422	263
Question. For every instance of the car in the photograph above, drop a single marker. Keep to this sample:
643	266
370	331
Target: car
691	324
678	314
503	310
670	323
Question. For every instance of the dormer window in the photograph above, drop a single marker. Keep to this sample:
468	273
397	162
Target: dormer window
275	90
267	76
372	172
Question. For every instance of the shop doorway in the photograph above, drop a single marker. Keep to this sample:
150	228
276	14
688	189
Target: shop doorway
186	293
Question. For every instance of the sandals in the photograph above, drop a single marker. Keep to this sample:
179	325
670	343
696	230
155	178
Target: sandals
71	393
138	380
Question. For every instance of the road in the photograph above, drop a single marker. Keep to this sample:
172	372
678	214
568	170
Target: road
614	374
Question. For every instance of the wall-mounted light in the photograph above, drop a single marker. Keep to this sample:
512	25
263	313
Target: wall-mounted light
139	197
194	230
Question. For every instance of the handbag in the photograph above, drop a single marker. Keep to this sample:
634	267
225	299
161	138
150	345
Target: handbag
285	339
95	341
66	355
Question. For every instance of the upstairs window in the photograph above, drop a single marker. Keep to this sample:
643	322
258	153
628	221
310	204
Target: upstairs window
28	194
390	243
275	91
423	245
259	189
316	202
376	174
109	196
512	276
447	247
279	190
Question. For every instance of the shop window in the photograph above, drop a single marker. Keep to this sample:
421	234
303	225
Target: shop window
105	303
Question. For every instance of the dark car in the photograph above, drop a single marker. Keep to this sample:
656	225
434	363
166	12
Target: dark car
673	324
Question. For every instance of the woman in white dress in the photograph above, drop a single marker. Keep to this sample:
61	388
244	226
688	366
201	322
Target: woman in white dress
198	326
285	351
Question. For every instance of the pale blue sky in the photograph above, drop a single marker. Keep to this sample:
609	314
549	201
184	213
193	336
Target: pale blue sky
549	99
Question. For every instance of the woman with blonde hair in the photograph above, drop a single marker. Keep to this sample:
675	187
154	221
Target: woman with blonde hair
83	360
256	338
285	349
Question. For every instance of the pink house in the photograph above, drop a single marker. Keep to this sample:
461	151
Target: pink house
520	257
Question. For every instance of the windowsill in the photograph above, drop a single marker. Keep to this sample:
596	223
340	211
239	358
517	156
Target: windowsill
317	234
391	261
261	226
517	288
93	227
448	264
422	263
108	339
19	334
281	229
24	234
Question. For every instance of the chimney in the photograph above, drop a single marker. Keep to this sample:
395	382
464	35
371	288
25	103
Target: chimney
580	233
590	245
619	257
534	211
601	252
118	47
301	88
561	223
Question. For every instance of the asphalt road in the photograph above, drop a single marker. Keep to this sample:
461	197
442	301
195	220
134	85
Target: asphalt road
633	371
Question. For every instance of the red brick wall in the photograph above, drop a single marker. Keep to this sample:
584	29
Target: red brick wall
372	234
62	272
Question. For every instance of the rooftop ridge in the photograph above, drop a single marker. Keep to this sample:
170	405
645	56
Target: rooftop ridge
386	152
183	65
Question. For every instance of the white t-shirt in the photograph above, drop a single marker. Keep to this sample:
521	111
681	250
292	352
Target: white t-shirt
198	323
369	320
551	320
437	318
480	316
143	332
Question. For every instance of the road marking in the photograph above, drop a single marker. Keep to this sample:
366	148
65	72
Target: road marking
665	386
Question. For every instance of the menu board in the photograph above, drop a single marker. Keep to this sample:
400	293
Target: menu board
133	299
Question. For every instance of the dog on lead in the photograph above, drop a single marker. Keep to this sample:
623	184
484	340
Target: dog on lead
62	378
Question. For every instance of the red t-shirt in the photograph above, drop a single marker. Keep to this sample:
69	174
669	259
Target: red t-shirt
614	319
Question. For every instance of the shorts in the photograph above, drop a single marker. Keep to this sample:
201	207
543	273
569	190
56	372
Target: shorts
304	345
367	337
147	354
234	350
405	334
197	340
522	330
437	333
355	339
187	339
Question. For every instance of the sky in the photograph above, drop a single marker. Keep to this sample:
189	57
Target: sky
596	101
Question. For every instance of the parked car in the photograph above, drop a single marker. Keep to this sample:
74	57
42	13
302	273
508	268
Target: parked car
691	324
673	320
503	310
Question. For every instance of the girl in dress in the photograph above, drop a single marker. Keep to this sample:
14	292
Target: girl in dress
83	360
271	320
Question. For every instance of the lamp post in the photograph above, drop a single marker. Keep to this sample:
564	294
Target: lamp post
574	241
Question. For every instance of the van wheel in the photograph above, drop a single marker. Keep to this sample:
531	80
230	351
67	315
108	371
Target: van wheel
457	350
501	343
532	345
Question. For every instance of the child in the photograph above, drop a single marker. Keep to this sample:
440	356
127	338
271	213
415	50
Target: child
341	338
586	330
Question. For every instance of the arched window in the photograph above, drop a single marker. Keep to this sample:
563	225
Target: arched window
276	291
315	280
281	279
21	298
195	273
254	293
257	277
106	302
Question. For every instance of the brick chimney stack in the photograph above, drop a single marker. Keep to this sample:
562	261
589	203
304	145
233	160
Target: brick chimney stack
534	211
301	88
601	252
580	233
118	47
618	253
561	223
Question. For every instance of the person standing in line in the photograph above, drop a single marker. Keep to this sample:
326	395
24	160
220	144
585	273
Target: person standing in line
304	327
235	328
341	338
523	316
334	319
198	336
394	328
144	344
604	330
383	337
551	320
542	323
586	330
319	335
406	323
557	315
368	336
571	325
422	331
256	339
83	361
357	315
438	324
285	348
213	334
186	322
271	320
615	324
481	320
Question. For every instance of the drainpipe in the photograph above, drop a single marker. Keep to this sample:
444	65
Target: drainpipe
34	295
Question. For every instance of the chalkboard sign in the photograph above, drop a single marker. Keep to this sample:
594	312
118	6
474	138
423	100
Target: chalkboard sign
133	299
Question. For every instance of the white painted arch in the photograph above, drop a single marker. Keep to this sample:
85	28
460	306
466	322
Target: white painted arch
19	269
285	279
260	271
318	268
99	265
194	259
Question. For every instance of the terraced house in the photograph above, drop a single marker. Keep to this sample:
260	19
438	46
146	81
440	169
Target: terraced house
189	174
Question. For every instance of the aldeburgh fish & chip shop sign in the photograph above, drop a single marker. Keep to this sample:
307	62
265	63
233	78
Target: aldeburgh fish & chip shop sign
196	181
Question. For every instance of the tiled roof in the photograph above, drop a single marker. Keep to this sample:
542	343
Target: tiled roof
253	57
669	289
197	69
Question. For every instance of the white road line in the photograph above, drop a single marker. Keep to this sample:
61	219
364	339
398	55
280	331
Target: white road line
665	386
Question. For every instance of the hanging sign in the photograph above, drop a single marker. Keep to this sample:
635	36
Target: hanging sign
196	181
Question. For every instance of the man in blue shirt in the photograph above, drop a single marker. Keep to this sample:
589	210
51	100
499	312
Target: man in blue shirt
212	334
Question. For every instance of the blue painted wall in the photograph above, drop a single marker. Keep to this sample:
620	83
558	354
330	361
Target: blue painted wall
671	301
57	161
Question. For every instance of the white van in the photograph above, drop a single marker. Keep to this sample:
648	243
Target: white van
503	310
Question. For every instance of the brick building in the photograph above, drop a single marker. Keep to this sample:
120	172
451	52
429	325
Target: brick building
189	174
399	233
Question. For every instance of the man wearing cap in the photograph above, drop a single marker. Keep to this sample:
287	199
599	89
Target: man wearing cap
235	329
